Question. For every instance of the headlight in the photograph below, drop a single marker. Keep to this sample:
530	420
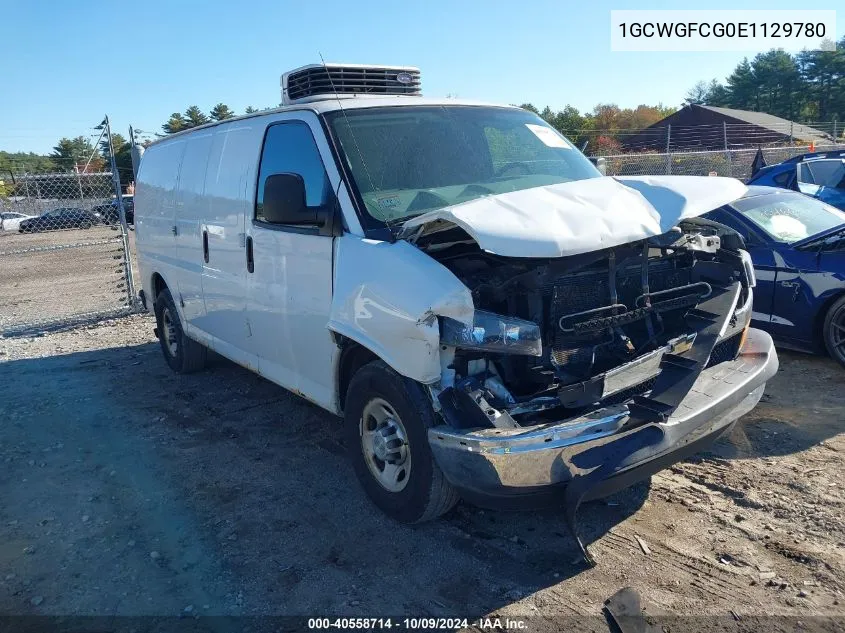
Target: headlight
493	333
749	268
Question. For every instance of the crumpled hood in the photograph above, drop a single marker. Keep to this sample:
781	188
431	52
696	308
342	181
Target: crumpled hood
580	216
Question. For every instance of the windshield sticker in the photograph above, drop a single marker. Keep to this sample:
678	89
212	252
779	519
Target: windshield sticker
389	203
548	136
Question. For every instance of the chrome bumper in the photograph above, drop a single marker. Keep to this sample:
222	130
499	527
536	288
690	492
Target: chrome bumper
520	461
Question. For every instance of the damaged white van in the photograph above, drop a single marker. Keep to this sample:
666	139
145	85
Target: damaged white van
492	317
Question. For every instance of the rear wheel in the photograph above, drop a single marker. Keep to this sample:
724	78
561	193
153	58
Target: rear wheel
834	331
386	420
184	355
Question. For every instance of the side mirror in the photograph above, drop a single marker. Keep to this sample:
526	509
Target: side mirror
284	201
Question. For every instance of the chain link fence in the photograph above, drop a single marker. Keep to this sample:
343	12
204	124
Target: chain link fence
65	248
735	163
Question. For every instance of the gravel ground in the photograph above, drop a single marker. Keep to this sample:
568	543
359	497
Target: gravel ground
61	273
129	490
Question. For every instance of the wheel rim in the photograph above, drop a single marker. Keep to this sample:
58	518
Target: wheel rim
837	333
384	442
171	339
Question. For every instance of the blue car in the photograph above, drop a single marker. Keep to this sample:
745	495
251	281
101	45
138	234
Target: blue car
820	175
797	244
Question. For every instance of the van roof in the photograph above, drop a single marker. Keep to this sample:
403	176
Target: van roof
345	102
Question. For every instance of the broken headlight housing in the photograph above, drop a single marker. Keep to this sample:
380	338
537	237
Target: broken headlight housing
748	265
491	332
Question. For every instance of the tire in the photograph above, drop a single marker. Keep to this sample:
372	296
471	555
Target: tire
834	331
423	493
184	355
85	225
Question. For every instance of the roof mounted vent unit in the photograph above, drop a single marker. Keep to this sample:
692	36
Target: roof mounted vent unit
318	81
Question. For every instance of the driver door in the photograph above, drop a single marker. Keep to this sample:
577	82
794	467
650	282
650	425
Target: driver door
289	268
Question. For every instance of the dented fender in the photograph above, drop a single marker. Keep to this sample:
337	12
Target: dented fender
387	297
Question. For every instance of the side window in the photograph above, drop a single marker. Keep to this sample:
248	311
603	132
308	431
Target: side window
290	148
827	173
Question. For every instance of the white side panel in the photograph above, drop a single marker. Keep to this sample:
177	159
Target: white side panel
229	190
223	347
190	209
387	297
155	195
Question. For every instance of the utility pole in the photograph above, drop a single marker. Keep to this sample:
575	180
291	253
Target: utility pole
124	230
78	180
668	145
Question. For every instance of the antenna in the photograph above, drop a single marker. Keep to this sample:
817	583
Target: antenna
346	118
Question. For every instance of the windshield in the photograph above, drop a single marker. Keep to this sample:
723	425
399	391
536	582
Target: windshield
407	160
790	217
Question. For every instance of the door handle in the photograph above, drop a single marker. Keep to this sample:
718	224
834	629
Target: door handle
250	261
205	246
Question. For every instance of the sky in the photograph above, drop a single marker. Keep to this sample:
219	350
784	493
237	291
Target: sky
66	64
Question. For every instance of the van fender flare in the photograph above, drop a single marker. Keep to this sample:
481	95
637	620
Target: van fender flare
388	297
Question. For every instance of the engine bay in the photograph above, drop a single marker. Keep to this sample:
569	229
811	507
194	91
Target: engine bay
621	307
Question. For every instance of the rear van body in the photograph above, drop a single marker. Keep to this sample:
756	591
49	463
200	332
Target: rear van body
485	310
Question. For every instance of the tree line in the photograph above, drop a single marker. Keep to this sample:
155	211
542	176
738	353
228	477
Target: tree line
80	153
600	130
194	116
806	87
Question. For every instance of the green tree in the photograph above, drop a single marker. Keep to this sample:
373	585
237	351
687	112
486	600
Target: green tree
250	110
175	123
717	94
220	112
742	87
697	95
779	84
194	117
122	157
823	73
70	152
23	162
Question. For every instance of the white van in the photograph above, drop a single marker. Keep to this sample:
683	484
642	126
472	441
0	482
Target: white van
492	317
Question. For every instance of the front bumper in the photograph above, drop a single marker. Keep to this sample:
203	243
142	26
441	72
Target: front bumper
525	461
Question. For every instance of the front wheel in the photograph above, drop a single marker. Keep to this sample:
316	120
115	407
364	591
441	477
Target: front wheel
834	331
184	355
386	420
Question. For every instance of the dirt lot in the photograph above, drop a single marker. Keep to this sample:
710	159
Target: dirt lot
128	490
37	269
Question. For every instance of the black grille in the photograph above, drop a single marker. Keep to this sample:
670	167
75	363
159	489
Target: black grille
585	291
725	350
630	392
321	80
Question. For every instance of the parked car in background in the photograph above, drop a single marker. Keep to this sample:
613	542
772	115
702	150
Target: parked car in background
110	214
58	219
11	220
797	245
820	175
